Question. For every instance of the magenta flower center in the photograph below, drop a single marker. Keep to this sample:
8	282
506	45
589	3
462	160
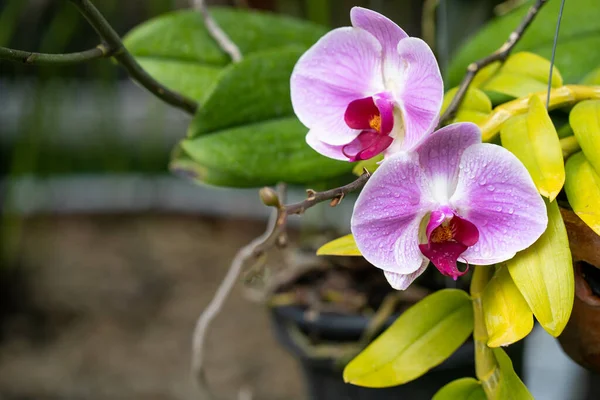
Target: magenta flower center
448	238
374	117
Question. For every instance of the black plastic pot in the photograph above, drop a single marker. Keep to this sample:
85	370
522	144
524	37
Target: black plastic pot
324	378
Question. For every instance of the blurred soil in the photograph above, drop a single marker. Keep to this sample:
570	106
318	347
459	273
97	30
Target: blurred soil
103	308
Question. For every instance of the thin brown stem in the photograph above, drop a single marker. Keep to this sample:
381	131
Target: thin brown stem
113	41
274	236
499	55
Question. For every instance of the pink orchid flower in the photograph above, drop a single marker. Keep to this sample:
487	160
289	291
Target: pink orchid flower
367	89
453	198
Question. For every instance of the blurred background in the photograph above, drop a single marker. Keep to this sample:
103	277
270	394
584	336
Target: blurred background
106	259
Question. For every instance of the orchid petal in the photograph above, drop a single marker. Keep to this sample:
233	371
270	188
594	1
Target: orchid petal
417	85
384	29
436	218
496	193
366	146
343	66
360	112
388	213
328	150
444	256
440	153
403	281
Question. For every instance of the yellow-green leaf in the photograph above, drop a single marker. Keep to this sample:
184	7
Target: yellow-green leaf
475	107
508	318
583	190
370	165
593	78
510	386
544	274
421	338
533	139
585	121
461	389
344	246
520	75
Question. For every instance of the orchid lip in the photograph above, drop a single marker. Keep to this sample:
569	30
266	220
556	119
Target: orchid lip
374	117
448	237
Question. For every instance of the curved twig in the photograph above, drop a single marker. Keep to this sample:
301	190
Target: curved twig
499	55
113	41
32	58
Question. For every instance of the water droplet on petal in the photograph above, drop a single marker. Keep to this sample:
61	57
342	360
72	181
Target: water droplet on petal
498	208
511	210
491	188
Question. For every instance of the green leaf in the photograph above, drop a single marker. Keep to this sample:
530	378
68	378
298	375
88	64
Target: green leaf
579	36
182	165
461	389
475	107
508	318
260	154
370	165
533	139
583	190
182	36
255	89
247	132
521	74
190	79
585	121
544	274
593	78
177	50
344	246
510	386
421	338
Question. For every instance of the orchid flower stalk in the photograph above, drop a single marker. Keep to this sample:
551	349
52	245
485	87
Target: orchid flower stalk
452	199
367	89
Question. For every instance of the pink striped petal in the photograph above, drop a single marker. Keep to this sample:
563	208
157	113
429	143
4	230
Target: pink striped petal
403	281
416	82
388	213
343	66
328	150
440	153
496	193
384	29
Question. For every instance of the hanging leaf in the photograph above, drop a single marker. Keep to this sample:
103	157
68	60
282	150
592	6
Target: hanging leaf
190	79
579	35
510	386
496	374
247	132
520	75
475	107
344	246
461	389
533	139
544	274
181	35
585	121
508	318
421	338
177	50
258	155
583	190
253	90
